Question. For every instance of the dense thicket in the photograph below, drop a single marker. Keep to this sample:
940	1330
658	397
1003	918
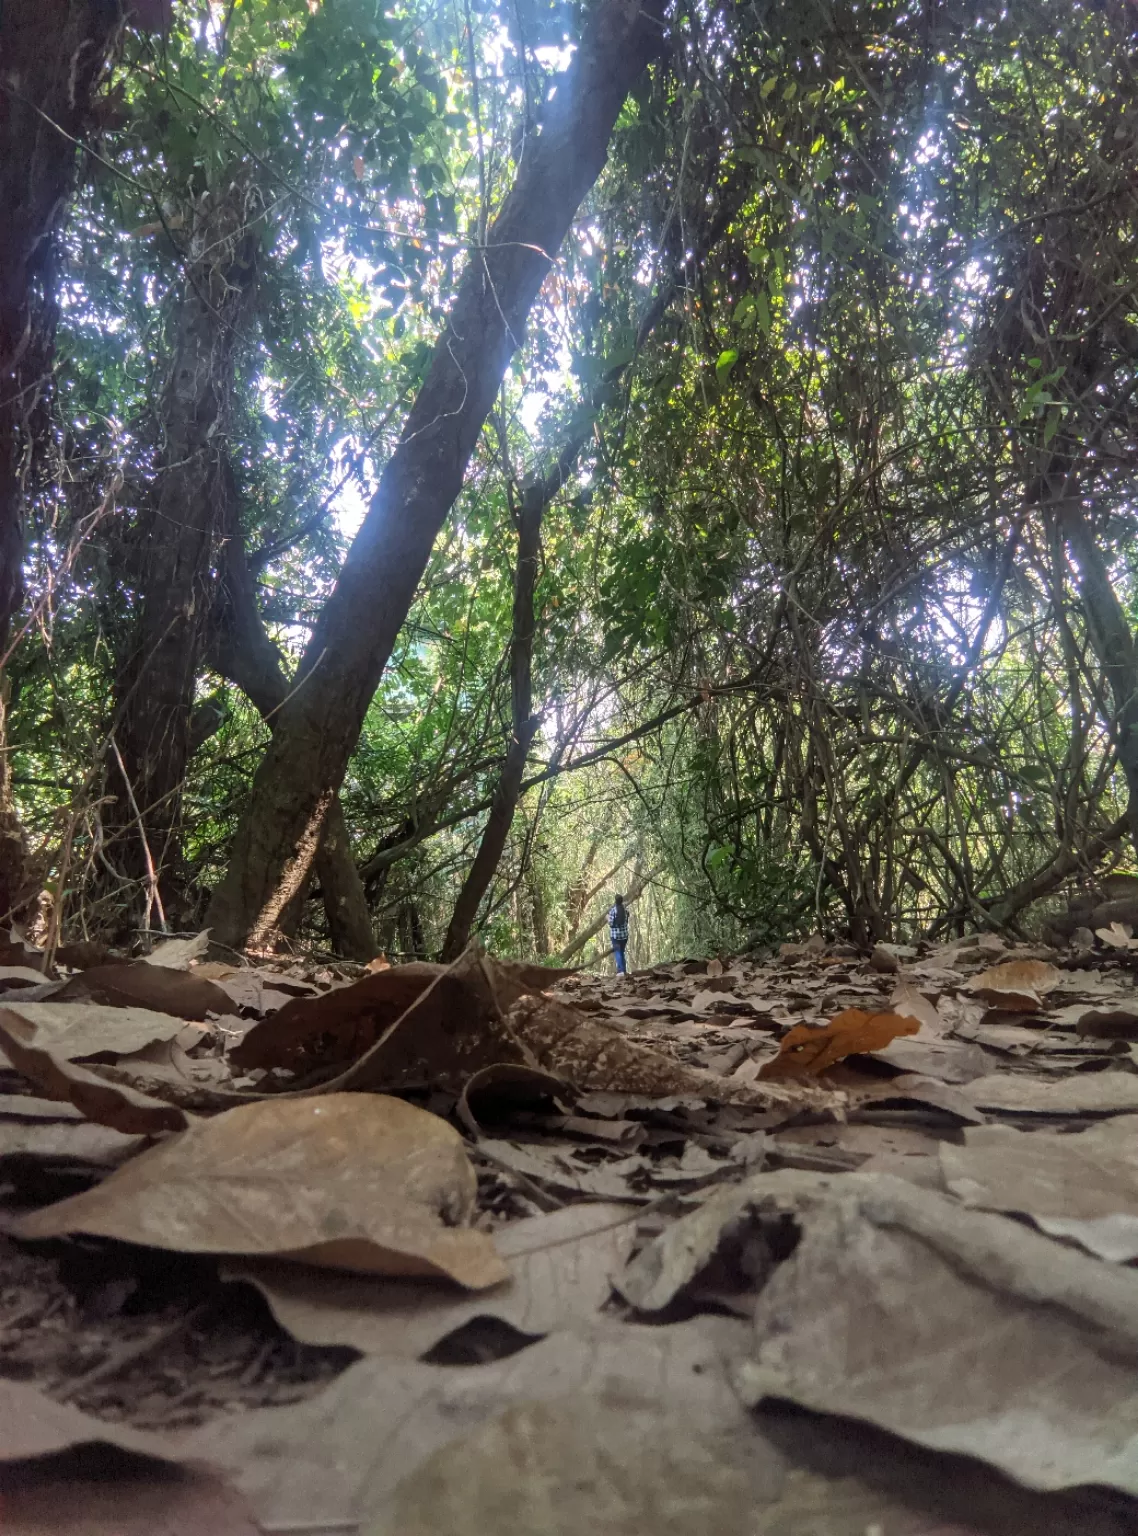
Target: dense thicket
473	459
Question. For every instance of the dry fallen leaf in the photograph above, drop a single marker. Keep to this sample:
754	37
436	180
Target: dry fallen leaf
964	1332
176	954
1108	1024
148	986
1084	1187
1118	936
560	1263
911	1003
1080	1093
596	1057
32	1425
92	1033
806	1051
40	1044
358	1454
351	1181
1018	986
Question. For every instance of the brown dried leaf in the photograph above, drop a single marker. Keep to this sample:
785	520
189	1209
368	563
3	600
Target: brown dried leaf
952	1061
338	1027
360	1451
1109	1024
176	954
86	1034
805	1051
1081	1093
961	1331
118	1105
148	986
1018	986
33	1425
911	1003
560	1268
594	1056
348	1181
1084	1187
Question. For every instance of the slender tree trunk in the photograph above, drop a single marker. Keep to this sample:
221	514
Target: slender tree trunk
541	942
243	653
180	534
320	724
52	56
1112	641
524	725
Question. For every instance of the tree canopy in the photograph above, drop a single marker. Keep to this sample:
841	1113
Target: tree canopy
457	462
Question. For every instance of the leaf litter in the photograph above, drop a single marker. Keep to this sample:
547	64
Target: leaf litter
811	1172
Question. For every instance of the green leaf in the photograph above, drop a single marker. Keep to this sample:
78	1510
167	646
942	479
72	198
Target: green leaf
726	361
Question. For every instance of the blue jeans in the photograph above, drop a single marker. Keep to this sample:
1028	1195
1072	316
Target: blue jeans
618	956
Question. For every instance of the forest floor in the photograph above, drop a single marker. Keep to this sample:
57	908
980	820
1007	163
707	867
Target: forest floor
818	1244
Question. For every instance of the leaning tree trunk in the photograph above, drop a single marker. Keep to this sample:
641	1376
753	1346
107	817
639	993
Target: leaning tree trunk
320	725
243	653
535	499
52	56
180	532
640	884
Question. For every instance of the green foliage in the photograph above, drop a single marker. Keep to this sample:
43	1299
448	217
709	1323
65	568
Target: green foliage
781	657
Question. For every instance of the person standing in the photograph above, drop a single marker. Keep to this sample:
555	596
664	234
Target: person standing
618	933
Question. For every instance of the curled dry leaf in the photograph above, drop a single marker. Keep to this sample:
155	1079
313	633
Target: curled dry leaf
340	1026
913	1004
1117	936
350	1181
806	1051
596	1056
561	1266
176	954
42	1041
964	1332
1018	986
456	1026
148	986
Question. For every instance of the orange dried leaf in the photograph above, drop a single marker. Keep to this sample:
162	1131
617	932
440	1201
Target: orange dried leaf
805	1051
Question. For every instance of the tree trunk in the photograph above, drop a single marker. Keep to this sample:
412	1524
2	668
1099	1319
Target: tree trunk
243	653
52	56
320	725
1112	641
180	535
524	722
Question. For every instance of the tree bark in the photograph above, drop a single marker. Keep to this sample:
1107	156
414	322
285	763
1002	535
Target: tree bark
320	724
1112	641
243	653
535	499
52	56
181	530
